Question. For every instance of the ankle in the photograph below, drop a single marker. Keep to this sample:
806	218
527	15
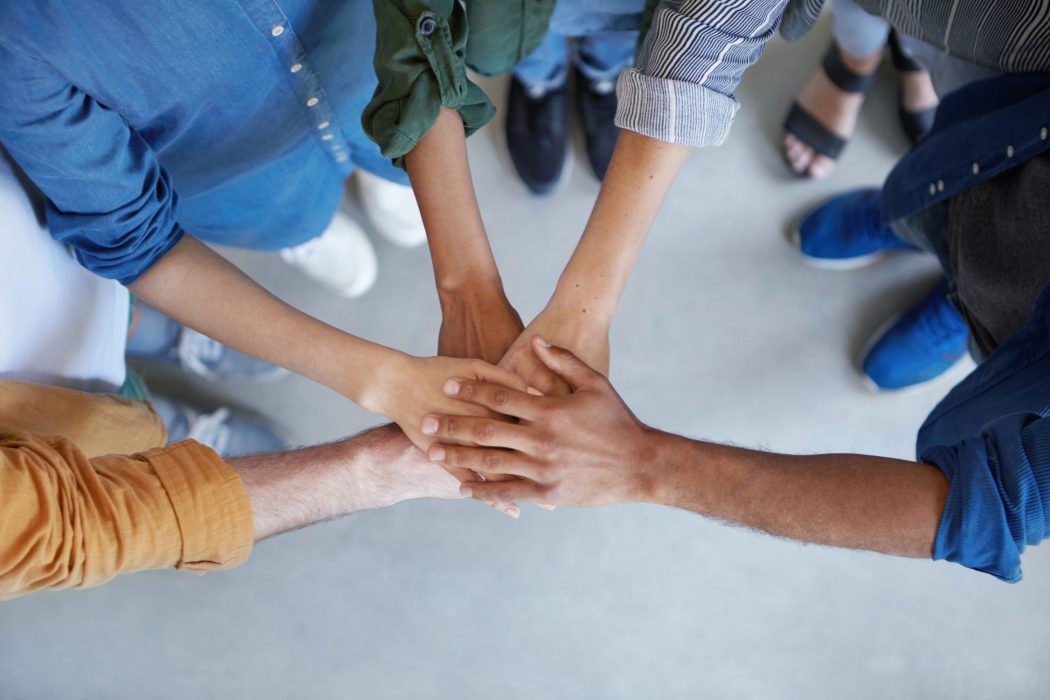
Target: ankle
861	65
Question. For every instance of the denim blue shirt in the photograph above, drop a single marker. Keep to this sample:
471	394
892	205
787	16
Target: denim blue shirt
234	120
991	435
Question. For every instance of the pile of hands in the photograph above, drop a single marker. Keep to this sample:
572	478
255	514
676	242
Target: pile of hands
520	414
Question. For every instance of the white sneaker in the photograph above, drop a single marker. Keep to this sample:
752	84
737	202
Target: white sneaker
392	209
341	258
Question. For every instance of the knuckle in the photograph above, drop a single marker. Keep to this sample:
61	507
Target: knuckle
485	431
500	397
492	461
450	427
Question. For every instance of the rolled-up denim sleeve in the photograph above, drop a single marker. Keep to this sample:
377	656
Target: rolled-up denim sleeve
681	89
420	61
107	196
999	496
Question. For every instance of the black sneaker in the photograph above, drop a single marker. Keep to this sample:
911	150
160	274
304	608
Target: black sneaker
538	135
596	103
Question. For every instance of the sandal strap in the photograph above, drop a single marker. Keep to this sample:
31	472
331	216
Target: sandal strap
840	74
902	60
807	129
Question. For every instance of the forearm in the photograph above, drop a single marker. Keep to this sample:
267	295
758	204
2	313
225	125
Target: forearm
377	468
841	500
197	287
440	174
640	174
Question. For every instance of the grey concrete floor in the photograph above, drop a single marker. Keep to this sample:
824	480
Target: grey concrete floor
723	334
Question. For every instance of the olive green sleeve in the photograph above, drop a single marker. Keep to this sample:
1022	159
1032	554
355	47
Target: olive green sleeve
503	32
420	63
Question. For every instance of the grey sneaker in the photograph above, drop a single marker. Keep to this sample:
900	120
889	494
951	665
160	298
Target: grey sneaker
158	337
229	433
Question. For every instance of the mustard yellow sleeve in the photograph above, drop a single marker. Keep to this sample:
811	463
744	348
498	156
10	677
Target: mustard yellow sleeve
69	521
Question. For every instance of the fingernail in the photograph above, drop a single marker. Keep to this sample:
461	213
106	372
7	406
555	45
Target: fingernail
513	511
437	453
430	425
466	491
451	387
542	342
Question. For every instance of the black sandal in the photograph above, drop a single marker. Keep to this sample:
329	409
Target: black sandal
915	124
806	128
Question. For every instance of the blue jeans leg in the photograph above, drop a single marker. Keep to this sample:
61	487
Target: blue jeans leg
547	67
602	56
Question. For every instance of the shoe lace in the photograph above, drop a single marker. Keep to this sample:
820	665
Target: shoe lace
195	349
211	429
868	221
939	322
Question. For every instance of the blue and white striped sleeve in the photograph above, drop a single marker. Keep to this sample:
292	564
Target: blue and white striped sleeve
681	88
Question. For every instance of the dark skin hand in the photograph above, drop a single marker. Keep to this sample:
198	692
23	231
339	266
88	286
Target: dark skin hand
588	449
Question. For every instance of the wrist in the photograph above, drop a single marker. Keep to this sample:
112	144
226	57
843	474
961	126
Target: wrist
379	385
589	304
657	468
468	285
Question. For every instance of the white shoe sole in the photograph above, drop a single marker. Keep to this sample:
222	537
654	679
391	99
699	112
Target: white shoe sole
841	264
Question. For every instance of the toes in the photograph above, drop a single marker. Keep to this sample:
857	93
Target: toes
820	167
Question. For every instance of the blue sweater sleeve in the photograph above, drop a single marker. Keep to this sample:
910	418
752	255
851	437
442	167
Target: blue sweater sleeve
107	195
999	498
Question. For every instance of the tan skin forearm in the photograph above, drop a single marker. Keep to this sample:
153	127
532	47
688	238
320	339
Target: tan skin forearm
440	175
840	500
477	320
200	289
639	176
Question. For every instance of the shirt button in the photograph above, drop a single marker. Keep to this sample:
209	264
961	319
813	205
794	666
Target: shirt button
312	101
427	26
976	168
296	67
342	157
327	137
324	125
933	188
1042	133
1009	151
277	30
940	185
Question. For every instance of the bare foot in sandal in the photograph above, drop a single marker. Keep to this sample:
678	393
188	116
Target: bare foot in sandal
828	107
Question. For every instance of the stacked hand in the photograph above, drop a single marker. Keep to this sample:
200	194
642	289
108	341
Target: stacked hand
581	449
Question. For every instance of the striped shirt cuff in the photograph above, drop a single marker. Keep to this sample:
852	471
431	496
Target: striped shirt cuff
673	110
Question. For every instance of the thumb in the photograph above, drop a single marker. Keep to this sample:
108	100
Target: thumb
572	369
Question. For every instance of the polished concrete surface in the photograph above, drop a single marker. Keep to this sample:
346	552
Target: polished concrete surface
723	334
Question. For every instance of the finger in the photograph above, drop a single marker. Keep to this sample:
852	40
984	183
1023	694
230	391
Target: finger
497	397
518	490
547	382
572	369
485	460
498	375
489	432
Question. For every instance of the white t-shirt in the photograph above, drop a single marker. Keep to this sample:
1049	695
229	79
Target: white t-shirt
59	323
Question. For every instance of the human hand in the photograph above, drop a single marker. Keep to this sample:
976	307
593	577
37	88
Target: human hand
406	388
568	326
584	449
477	324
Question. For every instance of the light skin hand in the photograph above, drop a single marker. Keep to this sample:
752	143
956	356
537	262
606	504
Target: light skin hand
588	449
186	283
581	310
374	469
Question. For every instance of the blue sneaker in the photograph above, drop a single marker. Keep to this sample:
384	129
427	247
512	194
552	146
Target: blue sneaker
229	433
917	346
158	337
846	232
